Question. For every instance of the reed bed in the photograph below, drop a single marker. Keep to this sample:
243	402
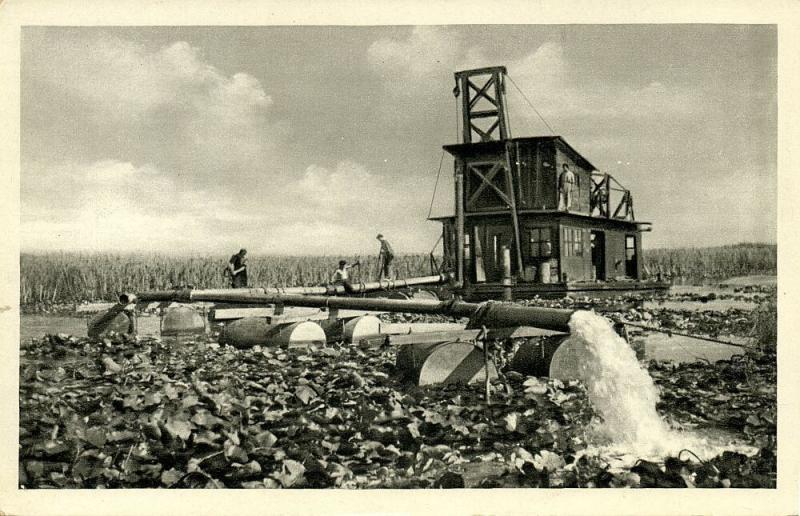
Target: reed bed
74	277
711	264
60	277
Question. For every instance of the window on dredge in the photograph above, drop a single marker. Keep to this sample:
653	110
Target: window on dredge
539	242
630	247
630	256
573	242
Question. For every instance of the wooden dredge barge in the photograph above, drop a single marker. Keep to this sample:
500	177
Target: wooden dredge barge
509	194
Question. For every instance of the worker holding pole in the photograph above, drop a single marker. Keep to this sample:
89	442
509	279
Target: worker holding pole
385	257
237	266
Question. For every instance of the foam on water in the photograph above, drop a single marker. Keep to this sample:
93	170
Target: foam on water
624	395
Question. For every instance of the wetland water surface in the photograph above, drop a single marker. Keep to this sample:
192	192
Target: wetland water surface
37	326
657	345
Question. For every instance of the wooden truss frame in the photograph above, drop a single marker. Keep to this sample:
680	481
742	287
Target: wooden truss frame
487	84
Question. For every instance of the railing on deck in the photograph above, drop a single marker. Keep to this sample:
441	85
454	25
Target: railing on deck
604	187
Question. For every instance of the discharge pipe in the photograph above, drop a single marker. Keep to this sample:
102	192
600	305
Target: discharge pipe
489	314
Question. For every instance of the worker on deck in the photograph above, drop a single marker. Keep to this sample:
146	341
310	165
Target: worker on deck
341	276
566	185
385	257
237	266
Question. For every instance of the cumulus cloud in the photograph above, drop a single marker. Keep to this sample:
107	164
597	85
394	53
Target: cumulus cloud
558	89
124	78
426	50
114	205
189	149
128	207
166	104
546	67
347	184
345	204
420	65
547	80
415	70
185	155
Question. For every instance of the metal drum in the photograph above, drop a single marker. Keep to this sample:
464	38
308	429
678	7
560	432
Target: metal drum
182	320
104	324
443	362
256	331
534	356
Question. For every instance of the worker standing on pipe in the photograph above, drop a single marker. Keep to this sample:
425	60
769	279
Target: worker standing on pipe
342	276
238	267
385	257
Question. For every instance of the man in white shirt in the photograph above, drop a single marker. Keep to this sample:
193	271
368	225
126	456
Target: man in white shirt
341	276
566	185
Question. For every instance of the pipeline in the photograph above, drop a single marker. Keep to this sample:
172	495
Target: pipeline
328	290
489	314
690	335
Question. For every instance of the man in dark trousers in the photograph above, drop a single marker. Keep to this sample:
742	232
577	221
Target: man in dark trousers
385	258
342	276
238	267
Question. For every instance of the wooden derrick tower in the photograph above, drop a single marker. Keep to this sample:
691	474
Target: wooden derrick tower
511	192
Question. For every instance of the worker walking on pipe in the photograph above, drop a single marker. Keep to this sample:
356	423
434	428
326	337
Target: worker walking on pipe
385	257
237	266
341	276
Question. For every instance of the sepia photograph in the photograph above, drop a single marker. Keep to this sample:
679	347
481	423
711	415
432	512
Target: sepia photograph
348	257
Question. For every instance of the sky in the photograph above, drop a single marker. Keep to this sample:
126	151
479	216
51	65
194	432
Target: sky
311	140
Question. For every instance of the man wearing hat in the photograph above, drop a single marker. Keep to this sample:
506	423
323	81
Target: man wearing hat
385	258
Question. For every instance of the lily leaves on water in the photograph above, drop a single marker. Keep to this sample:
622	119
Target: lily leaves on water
136	412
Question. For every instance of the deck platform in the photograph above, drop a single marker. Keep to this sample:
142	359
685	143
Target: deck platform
486	291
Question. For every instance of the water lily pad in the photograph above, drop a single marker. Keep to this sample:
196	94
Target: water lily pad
96	437
179	428
305	394
291	473
171	476
205	419
265	439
